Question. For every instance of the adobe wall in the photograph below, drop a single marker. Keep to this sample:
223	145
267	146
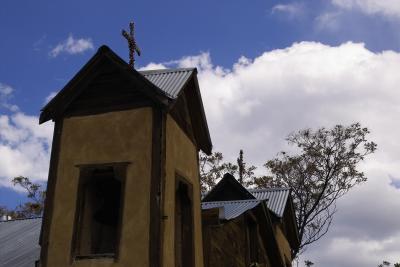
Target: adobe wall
122	136
225	244
181	159
283	244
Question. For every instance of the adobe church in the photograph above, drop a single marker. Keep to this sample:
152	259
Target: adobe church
124	184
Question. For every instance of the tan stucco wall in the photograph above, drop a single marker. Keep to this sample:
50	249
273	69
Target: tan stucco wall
181	158
283	244
111	137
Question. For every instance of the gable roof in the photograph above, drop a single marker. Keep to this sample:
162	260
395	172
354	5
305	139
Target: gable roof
19	242
170	81
280	203
277	198
104	59
162	87
233	200
228	210
228	188
173	82
231	209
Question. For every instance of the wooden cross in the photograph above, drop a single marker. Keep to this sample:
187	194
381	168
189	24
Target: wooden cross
130	37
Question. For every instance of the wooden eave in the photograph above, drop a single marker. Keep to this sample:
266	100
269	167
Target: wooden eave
203	132
103	58
291	225
271	244
191	92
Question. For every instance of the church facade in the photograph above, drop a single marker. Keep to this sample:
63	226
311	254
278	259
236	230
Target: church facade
124	179
124	185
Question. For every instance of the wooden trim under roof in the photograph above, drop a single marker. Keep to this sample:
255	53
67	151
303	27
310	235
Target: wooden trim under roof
50	190
158	155
293	233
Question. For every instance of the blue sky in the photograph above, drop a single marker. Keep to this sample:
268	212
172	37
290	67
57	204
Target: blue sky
166	30
266	68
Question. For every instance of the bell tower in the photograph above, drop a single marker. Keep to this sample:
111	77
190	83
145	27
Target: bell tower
123	187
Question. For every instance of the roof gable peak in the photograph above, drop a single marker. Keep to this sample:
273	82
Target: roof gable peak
228	188
104	60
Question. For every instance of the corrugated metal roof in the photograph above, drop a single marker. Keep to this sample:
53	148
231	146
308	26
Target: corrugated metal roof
171	81
231	209
19	241
277	198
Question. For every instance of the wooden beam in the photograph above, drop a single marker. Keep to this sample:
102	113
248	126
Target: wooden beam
50	190
156	187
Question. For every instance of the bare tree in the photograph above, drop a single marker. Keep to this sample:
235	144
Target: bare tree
212	169
245	174
36	196
323	171
386	263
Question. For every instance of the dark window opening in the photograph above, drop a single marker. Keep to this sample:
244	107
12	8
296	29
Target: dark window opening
98	210
183	226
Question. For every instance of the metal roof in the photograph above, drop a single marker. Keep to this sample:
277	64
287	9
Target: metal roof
19	242
171	81
277	198
231	209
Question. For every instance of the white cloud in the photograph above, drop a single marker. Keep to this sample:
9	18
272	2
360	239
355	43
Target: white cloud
292	10
24	147
201	62
5	90
328	21
6	93
390	8
257	102
153	66
72	46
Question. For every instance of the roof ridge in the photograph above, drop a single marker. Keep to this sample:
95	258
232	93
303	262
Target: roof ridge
21	219
161	71
233	201
267	189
